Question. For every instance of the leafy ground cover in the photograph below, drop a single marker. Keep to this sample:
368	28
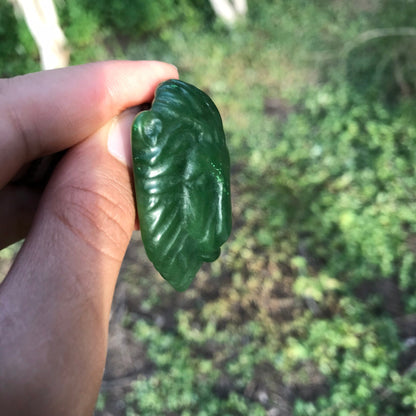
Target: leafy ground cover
311	310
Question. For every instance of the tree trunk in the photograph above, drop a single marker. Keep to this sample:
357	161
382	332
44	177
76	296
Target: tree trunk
42	20
229	11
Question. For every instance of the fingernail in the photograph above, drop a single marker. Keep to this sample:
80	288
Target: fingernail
119	137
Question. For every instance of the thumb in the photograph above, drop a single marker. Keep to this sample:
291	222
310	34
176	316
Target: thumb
87	214
61	286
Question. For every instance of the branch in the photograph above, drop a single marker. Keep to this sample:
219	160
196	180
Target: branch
378	33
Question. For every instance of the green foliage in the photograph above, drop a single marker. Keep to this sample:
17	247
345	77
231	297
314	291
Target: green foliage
100	405
133	16
138	17
348	165
83	31
182	384
357	356
18	50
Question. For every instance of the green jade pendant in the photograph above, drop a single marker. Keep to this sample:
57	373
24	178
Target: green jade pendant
182	181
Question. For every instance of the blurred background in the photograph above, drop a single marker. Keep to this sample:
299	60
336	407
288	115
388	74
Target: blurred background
311	309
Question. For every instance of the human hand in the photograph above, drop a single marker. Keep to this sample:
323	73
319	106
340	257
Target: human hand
56	300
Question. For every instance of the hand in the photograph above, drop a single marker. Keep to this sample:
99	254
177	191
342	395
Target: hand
56	300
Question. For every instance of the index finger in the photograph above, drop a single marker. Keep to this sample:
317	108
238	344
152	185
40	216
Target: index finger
45	112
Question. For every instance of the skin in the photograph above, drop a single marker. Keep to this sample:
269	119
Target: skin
56	300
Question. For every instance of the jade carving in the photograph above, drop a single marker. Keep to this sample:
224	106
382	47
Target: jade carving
182	181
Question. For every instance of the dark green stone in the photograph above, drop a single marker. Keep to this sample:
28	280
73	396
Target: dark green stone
182	180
